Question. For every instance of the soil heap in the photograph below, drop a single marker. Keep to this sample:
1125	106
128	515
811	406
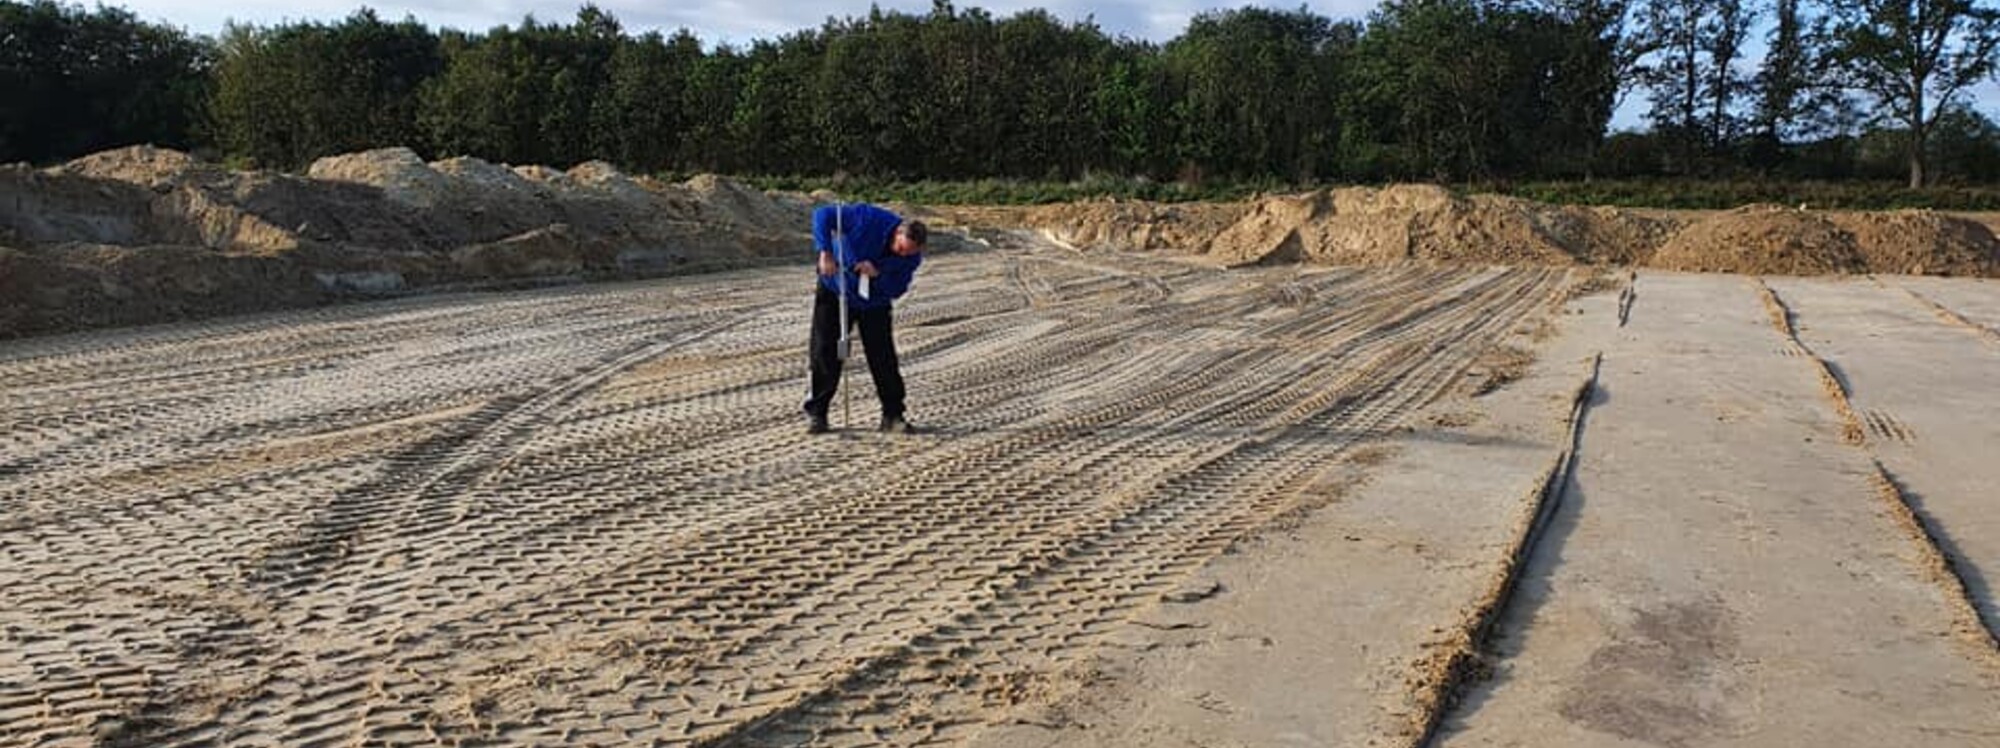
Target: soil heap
147	234
1405	223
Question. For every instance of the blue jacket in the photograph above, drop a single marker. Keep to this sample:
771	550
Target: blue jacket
869	230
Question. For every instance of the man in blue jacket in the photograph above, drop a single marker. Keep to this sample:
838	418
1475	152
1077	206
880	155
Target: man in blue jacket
878	252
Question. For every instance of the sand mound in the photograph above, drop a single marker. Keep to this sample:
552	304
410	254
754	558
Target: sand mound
549	178
1919	242
1133	226
89	285
551	251
398	172
735	202
1272	231
55	206
1393	224
479	174
215	223
1490	230
1763	239
1361	225
1428	224
607	179
146	166
142	234
1607	236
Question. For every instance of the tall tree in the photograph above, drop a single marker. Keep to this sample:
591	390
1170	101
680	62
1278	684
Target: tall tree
1454	89
1592	61
287	95
72	81
1692	48
645	114
1258	91
527	95
1785	72
775	110
1916	58
1132	104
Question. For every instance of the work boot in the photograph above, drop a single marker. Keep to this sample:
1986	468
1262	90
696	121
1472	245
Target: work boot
816	424
896	425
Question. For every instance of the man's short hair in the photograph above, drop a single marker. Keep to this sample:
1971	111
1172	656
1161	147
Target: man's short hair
917	232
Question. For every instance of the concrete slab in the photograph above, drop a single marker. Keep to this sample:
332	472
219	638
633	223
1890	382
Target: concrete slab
1721	572
1930	398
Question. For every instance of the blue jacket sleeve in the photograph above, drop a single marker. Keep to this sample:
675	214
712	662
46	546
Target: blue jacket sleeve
897	272
823	228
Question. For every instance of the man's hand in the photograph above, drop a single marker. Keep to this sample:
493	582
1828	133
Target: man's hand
826	266
866	268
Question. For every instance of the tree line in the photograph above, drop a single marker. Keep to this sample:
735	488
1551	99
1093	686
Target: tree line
1418	89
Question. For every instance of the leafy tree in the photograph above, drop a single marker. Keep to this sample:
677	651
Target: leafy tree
1257	91
1917	58
1453	89
645	113
1693	46
1592	59
776	107
73	82
714	85
1131	103
287	95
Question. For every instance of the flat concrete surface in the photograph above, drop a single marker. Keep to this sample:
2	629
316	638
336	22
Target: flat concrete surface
1974	299
1722	572
1928	395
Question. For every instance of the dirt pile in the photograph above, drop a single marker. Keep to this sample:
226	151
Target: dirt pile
1922	242
146	234
146	166
1135	226
1763	239
399	173
1367	226
1362	225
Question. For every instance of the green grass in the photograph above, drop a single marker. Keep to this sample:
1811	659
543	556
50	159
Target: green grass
1686	194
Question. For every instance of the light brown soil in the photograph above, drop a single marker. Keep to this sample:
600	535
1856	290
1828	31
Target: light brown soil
1399	223
385	222
592	515
1921	242
1763	239
145	234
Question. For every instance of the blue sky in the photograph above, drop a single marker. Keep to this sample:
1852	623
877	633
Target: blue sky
713	20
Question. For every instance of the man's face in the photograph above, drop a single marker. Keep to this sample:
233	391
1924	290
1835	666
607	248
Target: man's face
903	246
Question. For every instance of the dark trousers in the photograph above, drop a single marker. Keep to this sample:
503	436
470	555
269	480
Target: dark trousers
877	339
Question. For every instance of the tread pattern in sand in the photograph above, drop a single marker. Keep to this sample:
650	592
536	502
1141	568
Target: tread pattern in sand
592	515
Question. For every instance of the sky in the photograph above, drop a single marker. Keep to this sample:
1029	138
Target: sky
715	21
741	21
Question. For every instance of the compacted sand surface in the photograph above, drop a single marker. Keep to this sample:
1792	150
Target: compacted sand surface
1157	503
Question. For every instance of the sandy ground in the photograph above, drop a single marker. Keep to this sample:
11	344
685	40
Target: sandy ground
1724	567
592	515
1159	504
